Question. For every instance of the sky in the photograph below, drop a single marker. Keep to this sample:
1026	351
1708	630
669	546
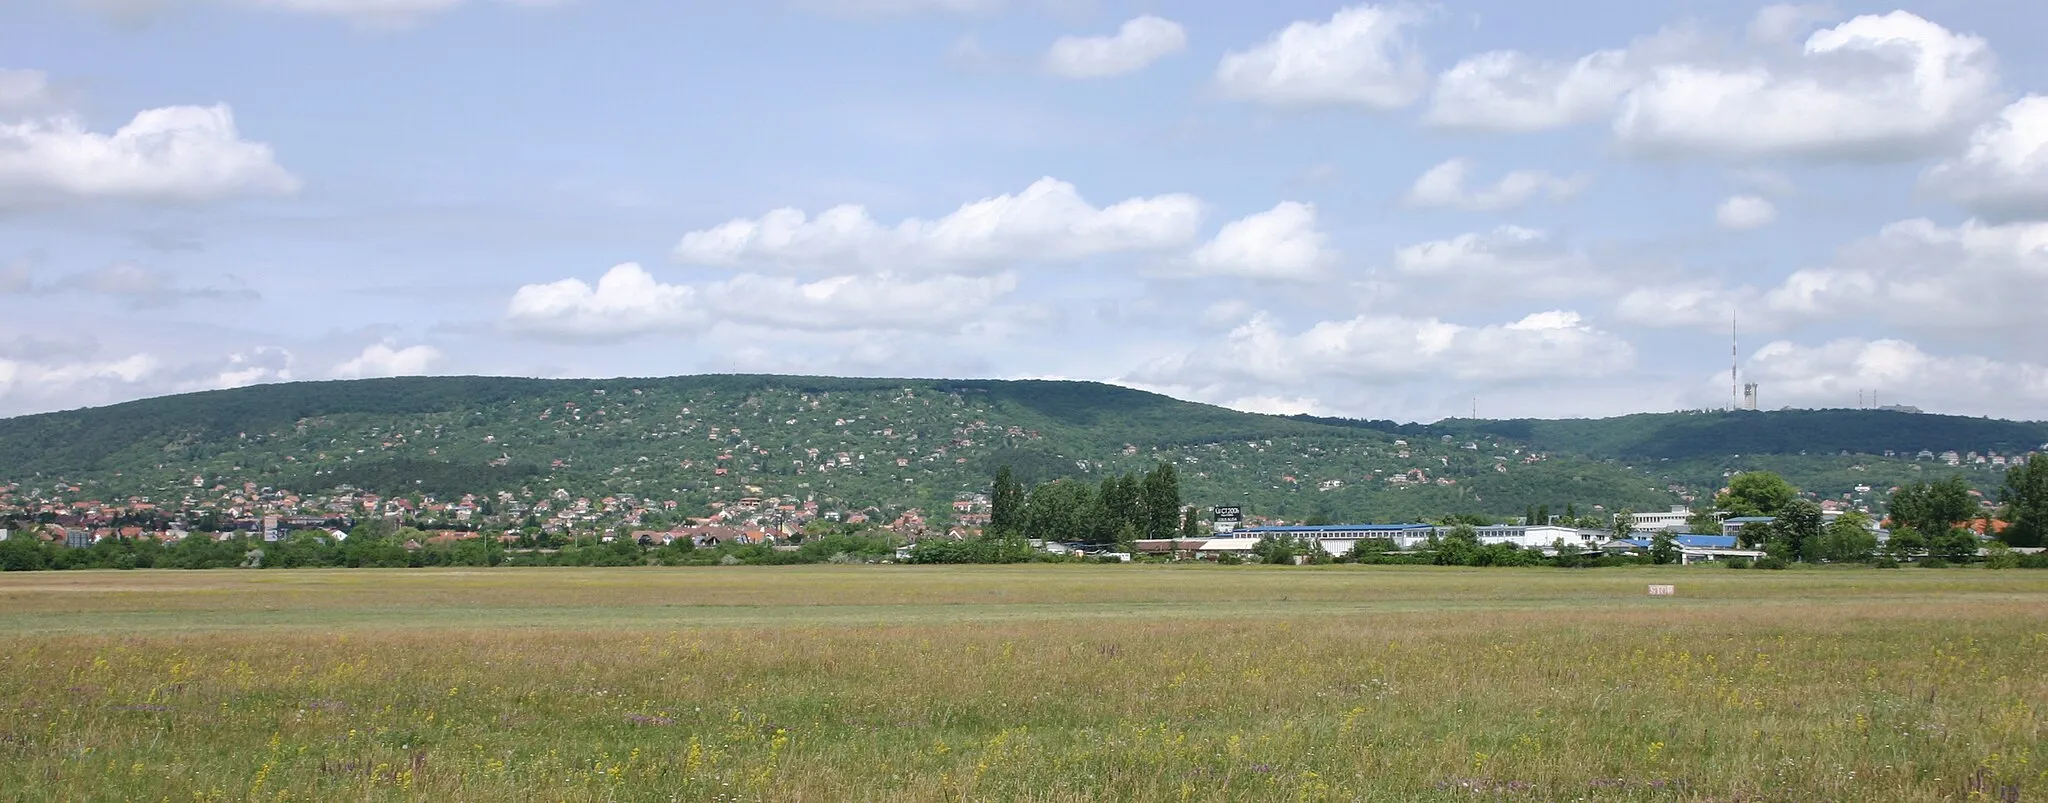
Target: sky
1401	211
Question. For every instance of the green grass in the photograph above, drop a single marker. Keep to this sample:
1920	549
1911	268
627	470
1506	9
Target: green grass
1049	683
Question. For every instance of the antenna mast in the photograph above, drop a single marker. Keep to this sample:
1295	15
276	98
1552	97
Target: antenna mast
1734	365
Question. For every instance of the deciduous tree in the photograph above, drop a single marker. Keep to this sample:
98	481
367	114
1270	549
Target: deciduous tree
2026	503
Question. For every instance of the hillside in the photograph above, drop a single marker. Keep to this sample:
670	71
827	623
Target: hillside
898	443
885	442
1830	452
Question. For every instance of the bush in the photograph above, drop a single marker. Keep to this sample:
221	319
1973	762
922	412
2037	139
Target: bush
1885	563
2001	556
1772	562
1736	563
1934	563
2038	560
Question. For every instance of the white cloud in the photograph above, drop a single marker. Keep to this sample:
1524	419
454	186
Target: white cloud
1389	348
1745	212
1515	92
1692	305
1136	44
1280	243
1833	374
28	384
241	369
1048	220
1362	57
381	359
629	301
2004	174
626	301
177	153
1874	88
838	303
1921	275
1507	260
1444	186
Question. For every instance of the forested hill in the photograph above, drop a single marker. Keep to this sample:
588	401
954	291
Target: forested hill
1683	436
884	442
896	443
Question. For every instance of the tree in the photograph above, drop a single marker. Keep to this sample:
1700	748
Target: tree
1191	523
1059	511
1160	502
1799	527
1459	547
1115	506
1006	504
1933	507
1754	534
1955	545
2026	503
1705	521
1848	539
1905	543
1542	515
1625	523
1756	493
1664	548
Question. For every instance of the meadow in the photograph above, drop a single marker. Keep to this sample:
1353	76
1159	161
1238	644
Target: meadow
1042	683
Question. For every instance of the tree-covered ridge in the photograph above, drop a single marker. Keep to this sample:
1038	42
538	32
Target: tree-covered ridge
1682	436
901	443
892	443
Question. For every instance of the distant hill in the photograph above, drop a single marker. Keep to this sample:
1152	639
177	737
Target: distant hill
920	442
1830	451
1679	436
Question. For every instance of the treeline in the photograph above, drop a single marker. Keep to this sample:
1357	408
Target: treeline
1119	511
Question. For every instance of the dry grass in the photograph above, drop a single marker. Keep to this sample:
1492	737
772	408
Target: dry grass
1034	683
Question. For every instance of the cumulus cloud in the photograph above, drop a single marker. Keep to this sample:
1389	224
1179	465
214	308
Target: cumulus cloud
383	359
1506	260
1363	56
1444	186
1136	44
1832	374
1689	305
1280	243
1509	91
2004	173
1048	220
27	384
628	301
1875	88
177	153
1745	212
1922	275
259	365
1390	348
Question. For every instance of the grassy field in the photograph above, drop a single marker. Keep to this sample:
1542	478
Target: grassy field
1051	683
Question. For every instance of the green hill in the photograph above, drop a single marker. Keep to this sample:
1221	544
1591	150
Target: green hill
897	443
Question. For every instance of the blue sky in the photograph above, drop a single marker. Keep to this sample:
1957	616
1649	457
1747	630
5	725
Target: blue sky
1380	210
